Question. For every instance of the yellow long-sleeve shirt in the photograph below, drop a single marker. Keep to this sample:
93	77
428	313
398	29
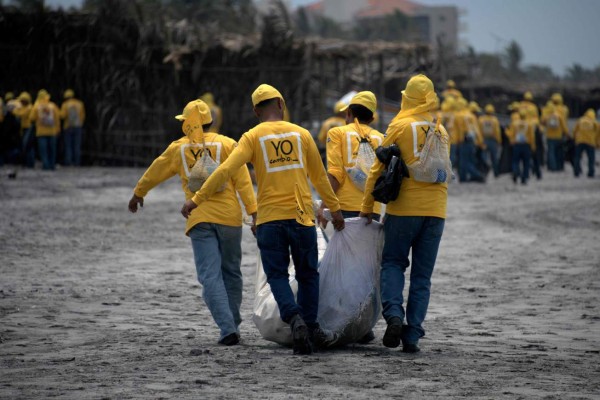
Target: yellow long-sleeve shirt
46	117
179	158
555	124
468	127
342	150
490	127
520	132
284	156
587	131
328	124
417	199
24	113
448	121
72	111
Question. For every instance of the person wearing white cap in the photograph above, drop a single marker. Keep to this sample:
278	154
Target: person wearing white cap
215	229
284	156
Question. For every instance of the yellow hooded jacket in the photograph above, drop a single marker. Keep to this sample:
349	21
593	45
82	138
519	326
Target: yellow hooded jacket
45	126
521	131
342	149
284	156
587	130
408	130
555	125
490	127
179	158
72	112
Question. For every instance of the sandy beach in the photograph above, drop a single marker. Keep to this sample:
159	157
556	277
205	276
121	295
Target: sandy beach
98	303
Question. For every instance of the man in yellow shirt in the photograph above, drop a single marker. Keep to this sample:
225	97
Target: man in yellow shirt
522	137
72	112
532	116
556	132
469	140
284	155
451	90
215	229
490	130
414	222
27	130
46	117
338	119
587	139
342	150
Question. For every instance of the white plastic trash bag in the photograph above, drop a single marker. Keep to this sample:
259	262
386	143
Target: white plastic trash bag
349	300
266	315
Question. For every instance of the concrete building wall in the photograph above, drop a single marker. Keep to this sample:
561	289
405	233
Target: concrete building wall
443	24
343	10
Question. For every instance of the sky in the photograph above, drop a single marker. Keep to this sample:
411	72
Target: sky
556	33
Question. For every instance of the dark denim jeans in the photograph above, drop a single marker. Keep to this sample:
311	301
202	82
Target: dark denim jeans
47	149
276	240
556	159
521	154
492	154
422	235
467	171
72	139
591	156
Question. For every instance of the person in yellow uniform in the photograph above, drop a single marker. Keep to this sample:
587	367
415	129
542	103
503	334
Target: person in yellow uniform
532	116
72	112
489	127
448	118
469	140
338	119
342	151
587	139
451	90
414	222
215	229
215	111
522	138
27	130
284	155
558	102
46	117
557	131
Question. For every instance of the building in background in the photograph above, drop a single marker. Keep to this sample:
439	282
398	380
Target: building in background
435	25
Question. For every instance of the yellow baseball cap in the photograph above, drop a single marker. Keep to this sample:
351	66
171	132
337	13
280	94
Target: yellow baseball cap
366	99
490	109
25	96
474	107
265	92
199	107
590	113
69	94
528	96
557	98
450	83
339	107
9	96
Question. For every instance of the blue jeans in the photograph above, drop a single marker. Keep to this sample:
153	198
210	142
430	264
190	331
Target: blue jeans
453	154
591	156
521	155
466	164
47	149
492	153
555	155
29	147
422	235
276	239
218	255
72	138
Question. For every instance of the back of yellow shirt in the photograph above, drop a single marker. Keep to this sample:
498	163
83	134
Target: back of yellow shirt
342	149
418	199
72	112
587	131
555	124
284	156
46	117
490	127
522	132
328	124
179	158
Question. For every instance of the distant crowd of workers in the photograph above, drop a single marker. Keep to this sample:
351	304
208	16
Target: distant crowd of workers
530	140
41	127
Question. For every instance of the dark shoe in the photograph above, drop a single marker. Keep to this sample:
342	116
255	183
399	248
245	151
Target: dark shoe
230	340
300	337
391	338
410	348
368	338
322	338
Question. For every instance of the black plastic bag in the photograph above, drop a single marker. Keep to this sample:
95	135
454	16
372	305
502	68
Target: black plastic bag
387	186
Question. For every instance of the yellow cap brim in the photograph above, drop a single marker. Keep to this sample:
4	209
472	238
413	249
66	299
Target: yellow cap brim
180	117
344	108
